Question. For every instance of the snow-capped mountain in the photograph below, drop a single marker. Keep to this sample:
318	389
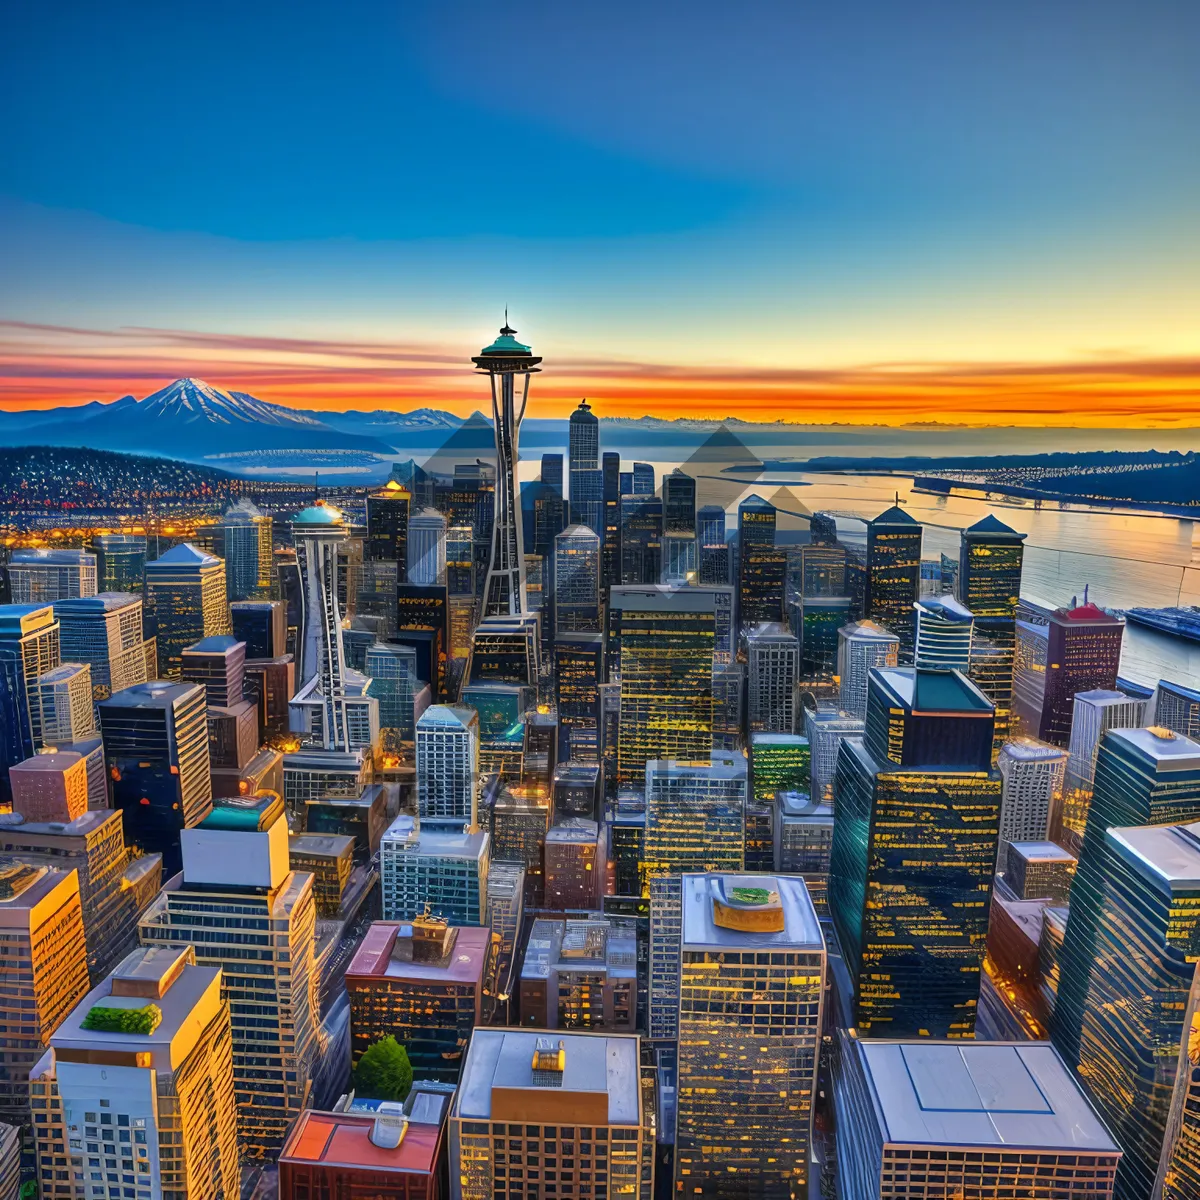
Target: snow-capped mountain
189	419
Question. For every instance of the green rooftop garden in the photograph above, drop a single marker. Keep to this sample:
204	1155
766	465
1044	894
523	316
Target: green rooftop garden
143	1020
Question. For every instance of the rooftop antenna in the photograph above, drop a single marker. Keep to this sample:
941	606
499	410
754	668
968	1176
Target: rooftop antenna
316	486
1085	592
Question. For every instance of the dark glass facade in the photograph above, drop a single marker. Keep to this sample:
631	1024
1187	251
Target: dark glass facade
894	575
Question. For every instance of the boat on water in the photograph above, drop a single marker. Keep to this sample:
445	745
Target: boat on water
1182	622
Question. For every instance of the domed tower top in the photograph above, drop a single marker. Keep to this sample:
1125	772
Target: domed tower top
506	355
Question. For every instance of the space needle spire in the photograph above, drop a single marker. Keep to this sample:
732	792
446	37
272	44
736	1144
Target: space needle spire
504	589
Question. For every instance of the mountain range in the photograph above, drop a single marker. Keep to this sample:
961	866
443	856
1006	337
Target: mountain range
190	419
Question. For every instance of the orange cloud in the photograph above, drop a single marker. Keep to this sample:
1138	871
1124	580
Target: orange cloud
44	365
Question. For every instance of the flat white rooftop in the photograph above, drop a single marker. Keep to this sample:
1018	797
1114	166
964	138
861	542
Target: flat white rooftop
801	929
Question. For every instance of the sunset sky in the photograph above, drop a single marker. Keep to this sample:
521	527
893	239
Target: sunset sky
865	211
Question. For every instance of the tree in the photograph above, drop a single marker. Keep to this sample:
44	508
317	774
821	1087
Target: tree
384	1072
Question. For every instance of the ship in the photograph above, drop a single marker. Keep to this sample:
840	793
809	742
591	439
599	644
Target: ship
1181	622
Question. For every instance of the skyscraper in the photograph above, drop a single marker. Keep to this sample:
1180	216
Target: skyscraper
64	710
712	553
262	625
751	981
578	1101
43	973
236	877
1177	708
441	869
578	670
577	580
1126	972
29	647
610	470
772	661
156	746
185	601
914	849
387	525
106	632
935	1118
504	587
894	575
587	479
779	762
679	503
1143	777
120	561
147	1055
642	479
1078	650
1032	775
817	621
249	551
990	555
43	576
756	523
666	639
392	670
641	539
427	548
944	629
448	763
826	731
862	647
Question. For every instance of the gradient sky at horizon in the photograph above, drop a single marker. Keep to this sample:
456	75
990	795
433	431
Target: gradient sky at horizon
943	210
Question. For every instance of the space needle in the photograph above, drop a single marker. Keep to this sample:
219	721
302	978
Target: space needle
504	589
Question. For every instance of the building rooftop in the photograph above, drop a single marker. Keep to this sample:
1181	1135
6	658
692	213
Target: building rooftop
436	842
184	555
1042	852
101	602
801	804
595	1063
244	812
1168	750
343	1139
320	845
63	671
893	516
319	513
590	944
1167	854
52	762
574	830
448	716
1027	749
945	608
13	824
1002	1094
927	690
219	643
1089	613
577	531
777	739
801	930
768	631
18	620
464	964
990	526
1103	696
868	630
158	693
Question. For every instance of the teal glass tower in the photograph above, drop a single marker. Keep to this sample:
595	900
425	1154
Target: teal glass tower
502	361
914	848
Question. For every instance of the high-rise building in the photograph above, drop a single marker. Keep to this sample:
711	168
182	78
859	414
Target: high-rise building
583	444
185	601
666	639
50	786
580	973
29	647
756	523
826	731
679	503
925	1119
779	762
120	562
425	983
505	650
577	790
137	1087
1126	970
43	972
237	877
990	555
578	670
387	524
1177	707
817	621
712	553
44	576
772	663
1078	650
1143	777
862	647
642	479
1032	775
392	670
65	712
1039	871
576	581
105	631
695	820
427	548
577	1098
504	587
641	539
944	629
249	551
574	865
894	575
1179	1165
610	560
803	831
822	570
448	763
439	869
914	850
156	746
218	664
751	982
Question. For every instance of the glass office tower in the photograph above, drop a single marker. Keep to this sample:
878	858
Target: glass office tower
387	525
894	575
751	981
914	849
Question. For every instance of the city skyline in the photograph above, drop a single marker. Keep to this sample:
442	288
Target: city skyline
868	218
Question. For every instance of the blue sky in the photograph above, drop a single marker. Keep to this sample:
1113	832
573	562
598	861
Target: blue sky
761	185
